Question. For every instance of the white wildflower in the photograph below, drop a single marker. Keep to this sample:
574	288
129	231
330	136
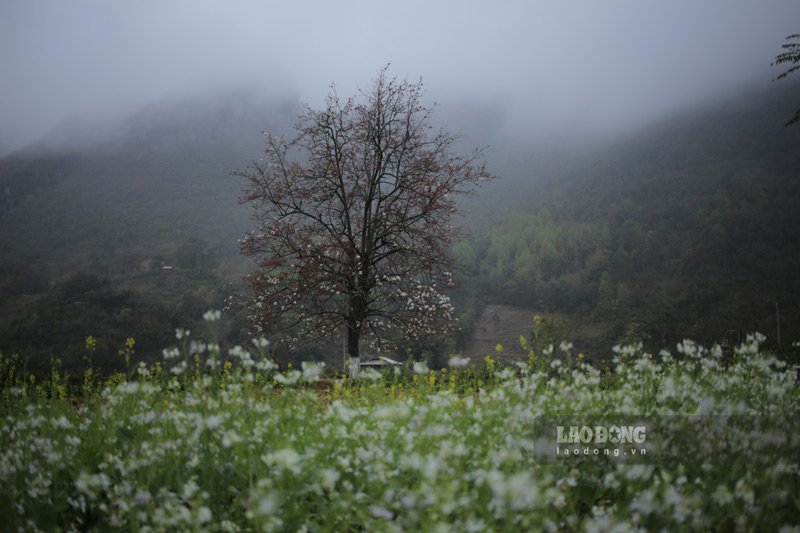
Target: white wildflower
286	458
267	505
381	512
420	367
212	315
204	513
288	378
458	362
62	423
312	371
260	342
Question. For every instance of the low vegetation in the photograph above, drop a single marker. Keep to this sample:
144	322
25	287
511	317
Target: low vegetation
222	440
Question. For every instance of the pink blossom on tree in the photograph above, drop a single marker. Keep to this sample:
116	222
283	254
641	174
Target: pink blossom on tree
353	219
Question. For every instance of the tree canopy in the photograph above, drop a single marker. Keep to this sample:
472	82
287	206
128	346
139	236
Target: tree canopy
353	219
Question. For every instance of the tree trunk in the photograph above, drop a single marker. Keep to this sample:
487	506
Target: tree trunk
353	339
355	321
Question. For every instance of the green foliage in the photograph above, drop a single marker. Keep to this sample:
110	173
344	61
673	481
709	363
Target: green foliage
58	322
687	231
121	212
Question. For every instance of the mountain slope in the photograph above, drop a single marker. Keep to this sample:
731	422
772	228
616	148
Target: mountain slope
149	206
137	197
686	229
689	229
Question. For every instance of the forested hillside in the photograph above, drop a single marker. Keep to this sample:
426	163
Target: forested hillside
127	235
689	229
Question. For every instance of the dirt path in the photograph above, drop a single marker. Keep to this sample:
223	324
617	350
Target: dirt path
500	324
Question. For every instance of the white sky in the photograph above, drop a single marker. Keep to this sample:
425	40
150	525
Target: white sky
577	67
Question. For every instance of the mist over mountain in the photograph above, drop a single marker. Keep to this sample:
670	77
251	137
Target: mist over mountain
154	179
125	190
686	229
687	226
140	212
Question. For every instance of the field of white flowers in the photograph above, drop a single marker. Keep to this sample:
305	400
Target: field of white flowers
206	440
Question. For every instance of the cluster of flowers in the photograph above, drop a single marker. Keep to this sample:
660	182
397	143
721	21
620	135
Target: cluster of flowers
237	445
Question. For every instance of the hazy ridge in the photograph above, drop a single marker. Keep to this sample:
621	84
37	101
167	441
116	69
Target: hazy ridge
645	209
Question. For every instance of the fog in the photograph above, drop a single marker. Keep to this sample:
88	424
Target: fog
538	71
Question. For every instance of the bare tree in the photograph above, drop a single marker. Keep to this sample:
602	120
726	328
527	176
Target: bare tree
354	219
791	55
